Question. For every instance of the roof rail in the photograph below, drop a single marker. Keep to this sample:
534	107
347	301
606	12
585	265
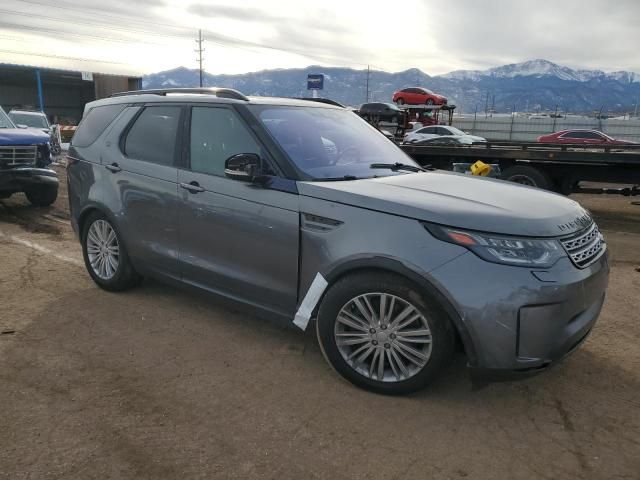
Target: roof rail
218	92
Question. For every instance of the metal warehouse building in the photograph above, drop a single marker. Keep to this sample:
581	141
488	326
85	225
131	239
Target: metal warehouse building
61	94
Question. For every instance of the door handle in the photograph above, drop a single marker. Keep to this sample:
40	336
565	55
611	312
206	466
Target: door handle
192	187
114	167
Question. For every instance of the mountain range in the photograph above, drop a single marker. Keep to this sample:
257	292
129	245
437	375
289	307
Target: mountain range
534	85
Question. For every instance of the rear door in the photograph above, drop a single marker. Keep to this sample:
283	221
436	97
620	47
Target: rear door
236	238
140	170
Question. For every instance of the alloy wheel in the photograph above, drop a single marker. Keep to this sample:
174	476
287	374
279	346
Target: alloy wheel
103	249
383	337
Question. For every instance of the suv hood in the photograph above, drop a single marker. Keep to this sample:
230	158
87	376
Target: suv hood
458	200
22	136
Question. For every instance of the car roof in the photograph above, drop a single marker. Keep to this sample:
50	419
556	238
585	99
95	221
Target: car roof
27	112
202	95
579	130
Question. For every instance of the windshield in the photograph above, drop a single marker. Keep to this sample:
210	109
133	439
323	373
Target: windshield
30	120
5	121
326	143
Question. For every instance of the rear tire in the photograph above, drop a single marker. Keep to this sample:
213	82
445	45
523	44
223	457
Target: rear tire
42	195
526	175
99	238
429	101
400	101
381	334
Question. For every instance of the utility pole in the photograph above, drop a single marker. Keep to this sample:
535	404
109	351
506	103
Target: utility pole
200	51
368	73
635	111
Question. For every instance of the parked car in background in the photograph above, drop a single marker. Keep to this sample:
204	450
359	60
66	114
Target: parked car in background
578	136
377	111
397	264
444	141
24	157
30	118
418	96
433	131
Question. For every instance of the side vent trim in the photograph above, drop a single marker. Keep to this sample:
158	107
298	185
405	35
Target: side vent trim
316	223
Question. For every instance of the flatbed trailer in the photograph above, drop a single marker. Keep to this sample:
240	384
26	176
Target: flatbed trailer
560	168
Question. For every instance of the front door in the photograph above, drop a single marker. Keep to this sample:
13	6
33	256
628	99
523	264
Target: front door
236	238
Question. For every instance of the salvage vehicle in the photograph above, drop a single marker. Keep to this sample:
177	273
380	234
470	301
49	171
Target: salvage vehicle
418	96
396	264
24	157
435	131
30	118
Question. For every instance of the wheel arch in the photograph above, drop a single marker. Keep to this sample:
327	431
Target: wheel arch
390	265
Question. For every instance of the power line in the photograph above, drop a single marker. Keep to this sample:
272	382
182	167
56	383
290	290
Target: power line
60	57
65	33
222	40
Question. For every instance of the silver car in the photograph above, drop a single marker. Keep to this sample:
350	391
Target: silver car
396	265
442	131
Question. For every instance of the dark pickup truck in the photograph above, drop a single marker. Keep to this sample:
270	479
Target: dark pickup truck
24	158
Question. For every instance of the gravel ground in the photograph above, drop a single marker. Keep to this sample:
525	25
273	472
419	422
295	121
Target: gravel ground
164	383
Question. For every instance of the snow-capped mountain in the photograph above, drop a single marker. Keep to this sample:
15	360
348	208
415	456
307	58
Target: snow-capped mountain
535	84
539	68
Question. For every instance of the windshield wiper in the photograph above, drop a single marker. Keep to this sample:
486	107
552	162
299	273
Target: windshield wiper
335	179
398	166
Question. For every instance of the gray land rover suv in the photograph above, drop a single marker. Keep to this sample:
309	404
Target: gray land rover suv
304	211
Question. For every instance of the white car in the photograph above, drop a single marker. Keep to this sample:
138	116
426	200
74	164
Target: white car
433	131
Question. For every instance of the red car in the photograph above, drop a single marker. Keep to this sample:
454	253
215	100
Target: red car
418	96
582	136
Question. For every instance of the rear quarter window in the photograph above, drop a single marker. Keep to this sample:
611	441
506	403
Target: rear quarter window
96	121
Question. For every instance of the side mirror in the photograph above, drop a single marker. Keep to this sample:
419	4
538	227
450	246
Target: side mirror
20	125
243	166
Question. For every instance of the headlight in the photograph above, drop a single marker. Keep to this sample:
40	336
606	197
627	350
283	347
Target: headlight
525	252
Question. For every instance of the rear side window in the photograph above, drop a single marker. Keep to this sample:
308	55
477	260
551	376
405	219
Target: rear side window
96	121
216	135
152	138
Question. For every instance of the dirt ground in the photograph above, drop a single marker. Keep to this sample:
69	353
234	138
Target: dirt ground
162	383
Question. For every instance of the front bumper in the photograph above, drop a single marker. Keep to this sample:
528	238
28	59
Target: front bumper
522	320
18	179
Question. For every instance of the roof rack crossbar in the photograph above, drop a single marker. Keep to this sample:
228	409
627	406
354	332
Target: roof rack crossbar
218	92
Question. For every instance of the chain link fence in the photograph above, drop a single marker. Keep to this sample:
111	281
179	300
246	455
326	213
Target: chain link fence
524	129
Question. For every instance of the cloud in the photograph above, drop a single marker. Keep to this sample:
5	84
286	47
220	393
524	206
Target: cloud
437	38
577	33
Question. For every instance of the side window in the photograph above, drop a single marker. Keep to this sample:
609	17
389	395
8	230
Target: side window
593	135
152	137
429	130
94	123
444	131
216	135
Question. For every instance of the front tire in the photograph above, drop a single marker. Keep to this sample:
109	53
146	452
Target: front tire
105	256
383	334
42	195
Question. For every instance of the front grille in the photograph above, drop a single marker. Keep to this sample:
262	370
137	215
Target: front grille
12	156
585	247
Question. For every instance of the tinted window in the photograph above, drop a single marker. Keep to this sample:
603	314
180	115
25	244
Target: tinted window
152	137
216	135
429	130
590	135
94	123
